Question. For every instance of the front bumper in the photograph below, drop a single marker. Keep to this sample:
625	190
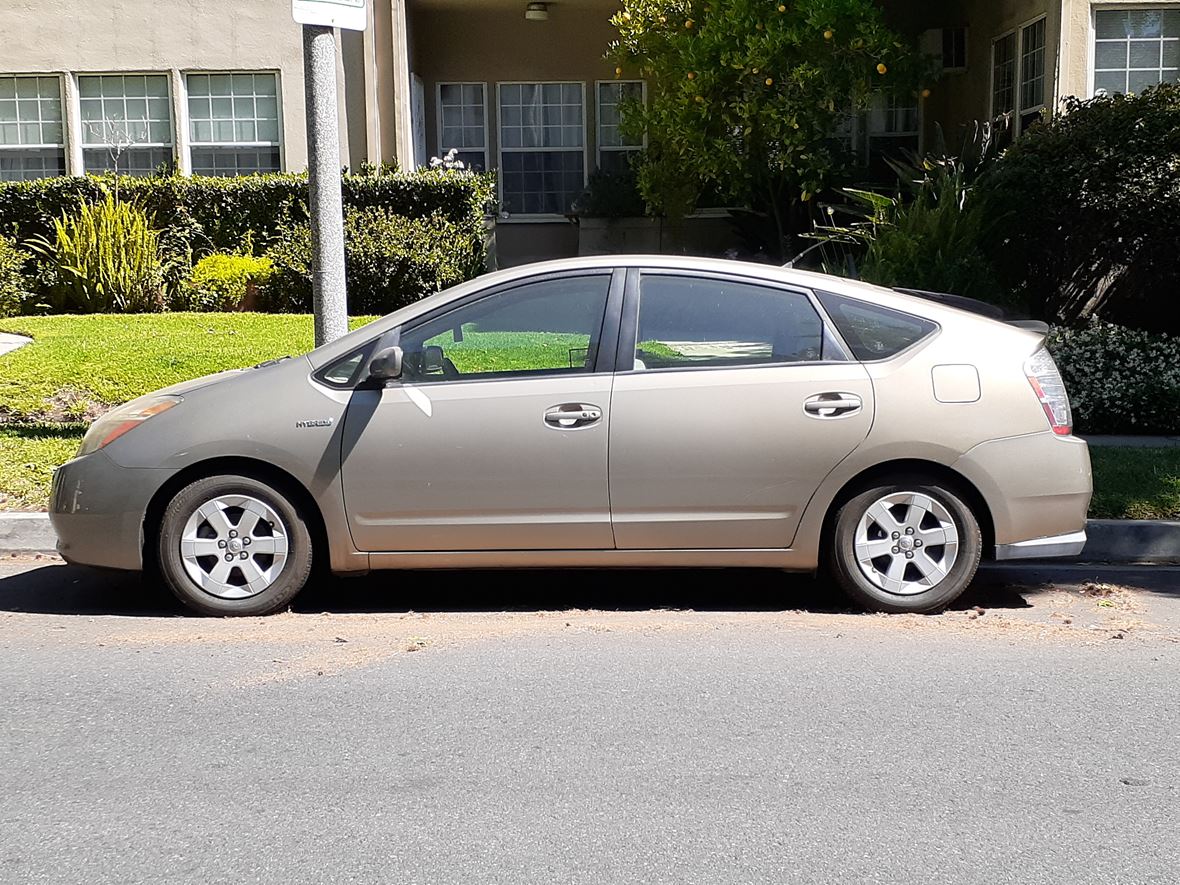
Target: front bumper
1043	548
97	509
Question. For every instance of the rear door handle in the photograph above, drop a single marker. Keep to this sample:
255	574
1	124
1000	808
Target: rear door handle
832	405
571	416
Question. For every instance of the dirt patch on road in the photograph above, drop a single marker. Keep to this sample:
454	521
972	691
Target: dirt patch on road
296	646
119	614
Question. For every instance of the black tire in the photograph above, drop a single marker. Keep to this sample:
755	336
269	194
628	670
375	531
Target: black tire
286	582
865	591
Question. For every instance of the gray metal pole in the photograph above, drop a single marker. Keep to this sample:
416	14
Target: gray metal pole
329	297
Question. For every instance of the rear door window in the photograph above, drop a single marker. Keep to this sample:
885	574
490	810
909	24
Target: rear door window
687	321
873	332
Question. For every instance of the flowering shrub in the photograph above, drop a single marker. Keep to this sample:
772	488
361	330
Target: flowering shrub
1120	380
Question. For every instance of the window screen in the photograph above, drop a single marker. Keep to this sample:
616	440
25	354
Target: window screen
871	331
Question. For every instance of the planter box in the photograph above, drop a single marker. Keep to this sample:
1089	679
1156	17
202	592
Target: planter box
611	236
707	235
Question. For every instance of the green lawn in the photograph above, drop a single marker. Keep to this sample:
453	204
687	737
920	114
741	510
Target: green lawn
1135	483
78	366
27	458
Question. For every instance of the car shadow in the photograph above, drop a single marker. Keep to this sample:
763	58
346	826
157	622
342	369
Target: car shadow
69	590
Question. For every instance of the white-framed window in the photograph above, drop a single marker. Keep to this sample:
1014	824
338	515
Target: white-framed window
1004	75
542	146
615	149
126	118
1032	72
1018	74
1135	48
463	123
32	136
233	121
890	125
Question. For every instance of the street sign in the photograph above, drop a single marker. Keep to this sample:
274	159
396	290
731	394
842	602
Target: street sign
349	14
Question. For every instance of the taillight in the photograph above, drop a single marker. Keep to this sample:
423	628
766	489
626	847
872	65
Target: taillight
1050	390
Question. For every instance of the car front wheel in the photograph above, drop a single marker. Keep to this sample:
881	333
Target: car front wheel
905	546
233	545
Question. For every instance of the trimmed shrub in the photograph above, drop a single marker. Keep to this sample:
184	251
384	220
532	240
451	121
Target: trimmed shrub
103	257
200	216
219	213
1088	202
390	261
220	282
1120	380
13	284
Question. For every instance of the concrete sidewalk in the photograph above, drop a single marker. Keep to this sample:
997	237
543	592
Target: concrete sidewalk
11	342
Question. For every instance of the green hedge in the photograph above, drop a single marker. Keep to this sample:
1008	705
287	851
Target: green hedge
1120	380
200	217
220	214
13	284
390	260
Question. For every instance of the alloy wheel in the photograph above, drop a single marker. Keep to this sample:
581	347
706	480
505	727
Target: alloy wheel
234	546
906	543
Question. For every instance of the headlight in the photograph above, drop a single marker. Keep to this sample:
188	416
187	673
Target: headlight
118	421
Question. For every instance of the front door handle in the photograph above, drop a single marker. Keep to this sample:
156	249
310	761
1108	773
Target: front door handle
832	405
571	416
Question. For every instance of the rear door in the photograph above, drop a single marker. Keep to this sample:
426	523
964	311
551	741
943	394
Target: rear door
731	403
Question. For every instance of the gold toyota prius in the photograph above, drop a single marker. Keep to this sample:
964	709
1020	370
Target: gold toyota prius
611	411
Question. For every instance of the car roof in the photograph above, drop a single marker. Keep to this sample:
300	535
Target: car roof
776	273
754	270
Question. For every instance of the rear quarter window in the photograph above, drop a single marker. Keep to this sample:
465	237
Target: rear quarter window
871	331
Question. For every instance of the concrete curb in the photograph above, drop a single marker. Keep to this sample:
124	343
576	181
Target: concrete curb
1131	540
26	533
1110	540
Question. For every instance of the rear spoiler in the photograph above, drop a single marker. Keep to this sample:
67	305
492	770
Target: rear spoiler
980	308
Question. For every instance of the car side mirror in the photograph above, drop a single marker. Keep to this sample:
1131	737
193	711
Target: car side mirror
386	364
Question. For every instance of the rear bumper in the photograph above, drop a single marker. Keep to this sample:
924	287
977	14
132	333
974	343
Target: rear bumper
1043	548
1037	488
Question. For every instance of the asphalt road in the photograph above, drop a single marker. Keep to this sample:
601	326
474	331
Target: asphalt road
591	727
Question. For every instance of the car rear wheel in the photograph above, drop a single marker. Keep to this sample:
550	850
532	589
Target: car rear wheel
906	546
233	545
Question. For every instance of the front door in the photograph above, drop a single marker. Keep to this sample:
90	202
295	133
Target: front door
495	437
730	407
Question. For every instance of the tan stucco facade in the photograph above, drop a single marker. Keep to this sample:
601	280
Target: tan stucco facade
67	38
389	74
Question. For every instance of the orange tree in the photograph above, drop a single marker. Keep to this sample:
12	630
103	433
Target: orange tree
745	95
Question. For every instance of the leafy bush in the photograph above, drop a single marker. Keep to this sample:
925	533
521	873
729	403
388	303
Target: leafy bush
13	284
221	282
1089	201
217	214
931	235
201	216
611	195
103	257
390	261
1120	380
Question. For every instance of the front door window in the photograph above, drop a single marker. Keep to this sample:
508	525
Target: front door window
550	327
